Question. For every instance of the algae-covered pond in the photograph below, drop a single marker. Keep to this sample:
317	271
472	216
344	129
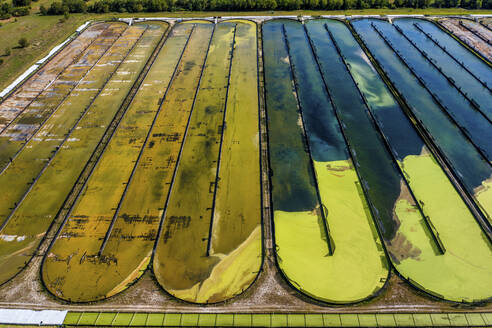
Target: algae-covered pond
207	153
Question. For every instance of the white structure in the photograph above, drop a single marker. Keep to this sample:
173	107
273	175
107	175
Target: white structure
31	317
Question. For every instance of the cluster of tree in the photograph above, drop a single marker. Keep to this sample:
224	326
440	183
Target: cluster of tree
134	6
16	8
64	7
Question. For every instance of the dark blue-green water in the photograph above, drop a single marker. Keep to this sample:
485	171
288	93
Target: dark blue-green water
471	167
463	79
381	178
472	122
293	184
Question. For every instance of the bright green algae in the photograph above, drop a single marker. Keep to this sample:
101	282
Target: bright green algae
302	249
464	269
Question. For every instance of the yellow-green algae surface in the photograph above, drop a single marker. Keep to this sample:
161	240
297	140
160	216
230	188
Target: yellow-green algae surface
459	270
464	271
199	259
27	225
358	256
357	268
75	251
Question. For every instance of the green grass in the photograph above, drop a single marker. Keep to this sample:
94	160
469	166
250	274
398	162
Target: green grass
42	32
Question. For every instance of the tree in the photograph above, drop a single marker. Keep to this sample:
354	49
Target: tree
23	42
5	10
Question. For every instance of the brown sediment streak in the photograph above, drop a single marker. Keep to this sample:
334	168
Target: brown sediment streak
484	187
400	248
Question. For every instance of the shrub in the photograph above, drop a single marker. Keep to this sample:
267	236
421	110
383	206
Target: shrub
21	11
23	42
7	52
21	3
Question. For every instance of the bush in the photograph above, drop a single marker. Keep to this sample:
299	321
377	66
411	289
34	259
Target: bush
21	3
23	42
21	11
42	10
1	61
7	52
